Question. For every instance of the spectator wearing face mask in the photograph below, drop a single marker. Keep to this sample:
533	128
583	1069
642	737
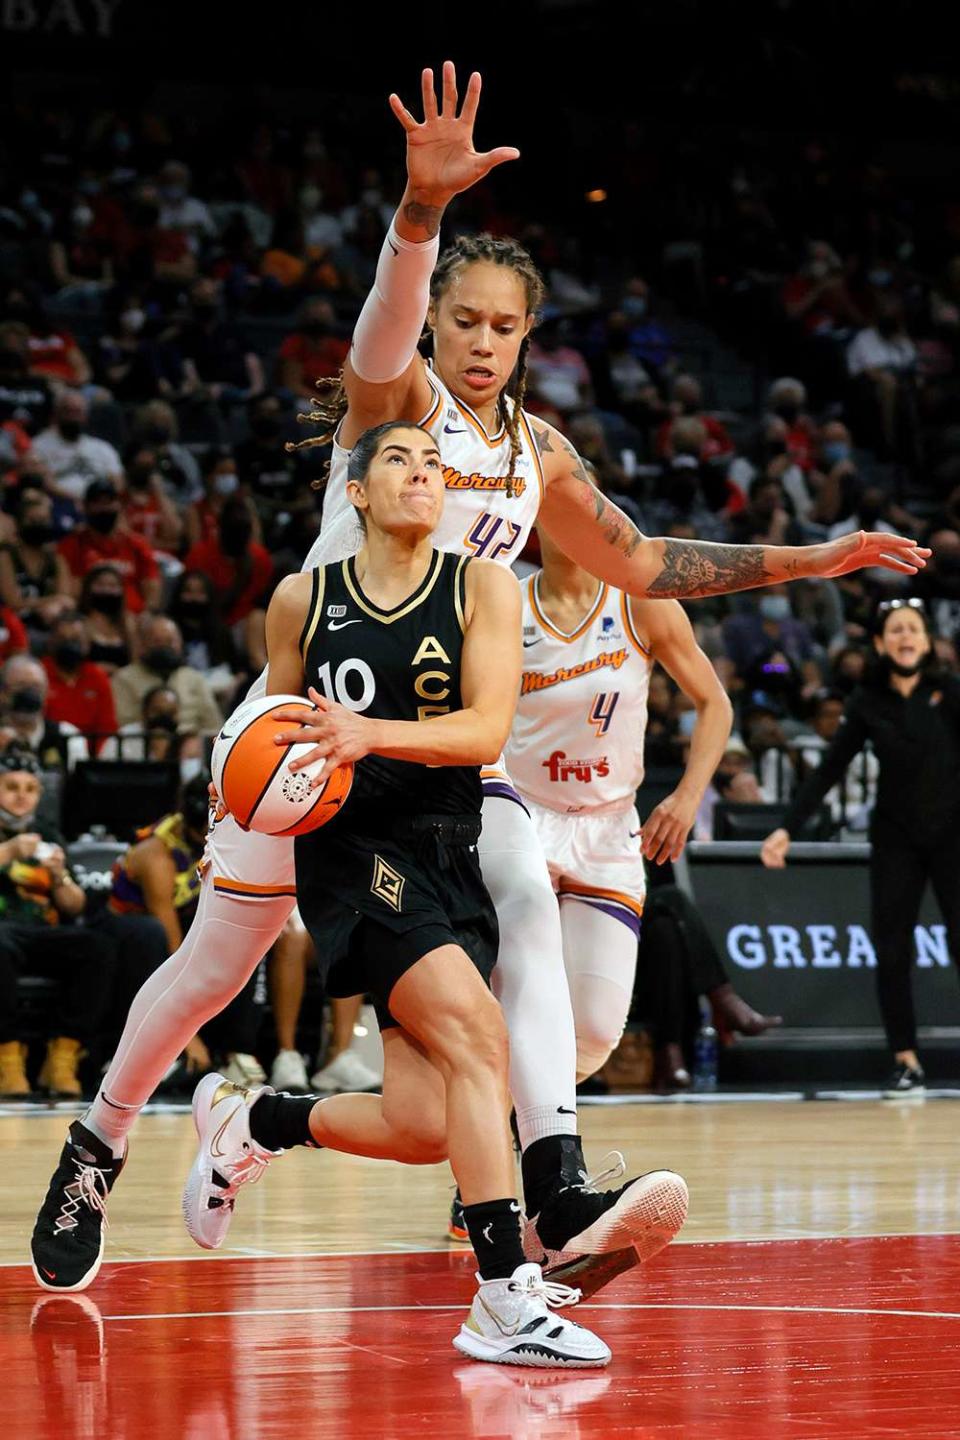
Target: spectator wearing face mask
103	539
109	626
24	722
837	471
760	623
161	662
38	899
686	399
208	645
313	352
181	211
78	256
679	497
787	398
239	567
157	735
126	359
155	425
268	472
73	457
148	510
79	690
25	398
558	372
228	370
34	579
220	480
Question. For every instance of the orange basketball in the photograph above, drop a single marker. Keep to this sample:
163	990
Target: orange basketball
253	778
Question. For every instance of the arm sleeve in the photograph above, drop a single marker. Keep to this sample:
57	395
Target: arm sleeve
391	321
850	740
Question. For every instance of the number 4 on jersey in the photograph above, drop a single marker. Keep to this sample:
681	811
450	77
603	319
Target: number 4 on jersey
490	537
602	707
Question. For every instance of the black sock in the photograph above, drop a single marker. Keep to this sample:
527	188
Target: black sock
494	1229
278	1122
547	1164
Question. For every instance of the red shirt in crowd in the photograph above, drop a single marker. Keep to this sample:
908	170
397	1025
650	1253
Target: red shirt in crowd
50	355
84	699
83	548
13	637
319	358
223	573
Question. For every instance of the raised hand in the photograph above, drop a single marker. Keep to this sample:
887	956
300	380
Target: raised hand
441	160
866	548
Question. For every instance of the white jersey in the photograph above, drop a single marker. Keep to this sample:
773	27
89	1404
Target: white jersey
479	515
577	739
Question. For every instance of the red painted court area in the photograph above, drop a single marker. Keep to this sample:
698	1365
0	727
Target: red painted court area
820	1338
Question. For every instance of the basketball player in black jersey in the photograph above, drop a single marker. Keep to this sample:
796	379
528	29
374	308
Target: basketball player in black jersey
390	889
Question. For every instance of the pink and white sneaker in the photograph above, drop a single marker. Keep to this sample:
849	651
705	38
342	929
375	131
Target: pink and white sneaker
227	1158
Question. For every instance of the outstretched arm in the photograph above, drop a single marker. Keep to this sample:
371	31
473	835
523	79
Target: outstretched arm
673	644
597	535
384	376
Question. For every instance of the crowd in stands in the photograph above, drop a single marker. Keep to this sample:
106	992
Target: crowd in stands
162	326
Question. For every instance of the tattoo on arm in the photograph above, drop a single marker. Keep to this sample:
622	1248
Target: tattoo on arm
695	567
543	440
616	528
425	217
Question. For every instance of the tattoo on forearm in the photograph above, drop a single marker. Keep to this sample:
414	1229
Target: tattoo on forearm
425	217
696	567
617	529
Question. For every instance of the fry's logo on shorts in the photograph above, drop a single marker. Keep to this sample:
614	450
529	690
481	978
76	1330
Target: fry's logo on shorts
454	480
562	769
531	680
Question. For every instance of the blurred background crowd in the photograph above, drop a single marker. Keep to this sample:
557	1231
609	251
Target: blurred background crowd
751	334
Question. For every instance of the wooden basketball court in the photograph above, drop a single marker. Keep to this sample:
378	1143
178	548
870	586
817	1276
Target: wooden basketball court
815	1292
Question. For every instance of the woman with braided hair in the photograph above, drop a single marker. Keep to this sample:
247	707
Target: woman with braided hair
502	470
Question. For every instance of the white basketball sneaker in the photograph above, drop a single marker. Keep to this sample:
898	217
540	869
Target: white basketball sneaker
227	1158
510	1323
345	1075
288	1073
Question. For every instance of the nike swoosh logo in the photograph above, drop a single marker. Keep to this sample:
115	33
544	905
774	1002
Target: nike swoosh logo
561	1111
528	643
504	1329
634	834
392	246
50	1274
342	624
448	431
215	1142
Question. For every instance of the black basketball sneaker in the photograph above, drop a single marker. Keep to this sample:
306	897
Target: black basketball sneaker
589	1236
67	1243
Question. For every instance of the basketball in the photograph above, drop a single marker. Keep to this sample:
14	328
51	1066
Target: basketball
252	774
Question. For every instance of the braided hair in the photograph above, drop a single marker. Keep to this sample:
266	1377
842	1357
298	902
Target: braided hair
466	250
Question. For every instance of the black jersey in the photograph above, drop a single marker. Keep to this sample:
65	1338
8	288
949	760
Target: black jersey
399	664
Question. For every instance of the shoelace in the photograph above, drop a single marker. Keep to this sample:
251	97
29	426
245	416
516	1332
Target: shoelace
85	1191
613	1171
552	1294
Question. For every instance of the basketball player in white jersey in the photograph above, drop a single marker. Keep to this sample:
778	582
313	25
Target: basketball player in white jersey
504	470
575	755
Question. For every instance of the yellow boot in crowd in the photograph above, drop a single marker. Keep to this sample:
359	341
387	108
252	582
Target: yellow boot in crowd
59	1073
13	1073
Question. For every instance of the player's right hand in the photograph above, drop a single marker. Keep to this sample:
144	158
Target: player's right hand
441	160
865	549
773	851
